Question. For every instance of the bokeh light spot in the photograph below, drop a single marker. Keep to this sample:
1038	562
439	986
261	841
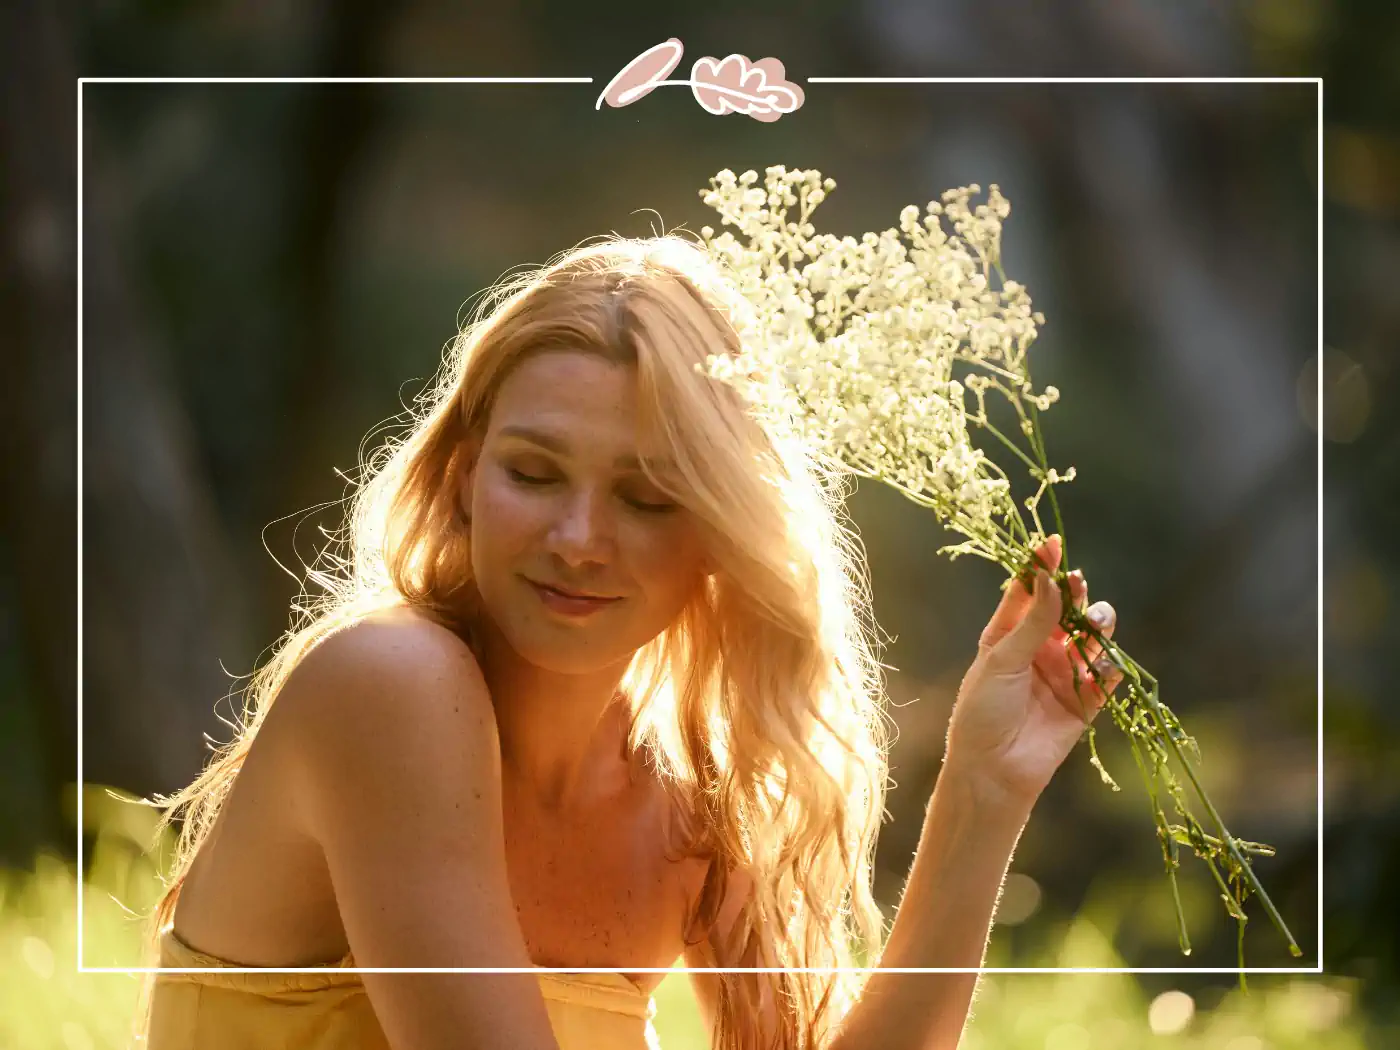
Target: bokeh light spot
1346	396
1068	1037
38	956
1020	899
1170	1012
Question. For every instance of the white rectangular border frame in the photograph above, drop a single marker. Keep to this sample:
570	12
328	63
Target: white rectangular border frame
1317	81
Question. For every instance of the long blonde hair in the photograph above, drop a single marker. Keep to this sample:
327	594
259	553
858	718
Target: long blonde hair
760	706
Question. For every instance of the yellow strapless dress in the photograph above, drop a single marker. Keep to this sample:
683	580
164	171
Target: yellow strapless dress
330	1010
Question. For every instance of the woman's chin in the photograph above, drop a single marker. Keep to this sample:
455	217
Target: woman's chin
578	655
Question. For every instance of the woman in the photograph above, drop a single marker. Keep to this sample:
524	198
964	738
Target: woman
592	688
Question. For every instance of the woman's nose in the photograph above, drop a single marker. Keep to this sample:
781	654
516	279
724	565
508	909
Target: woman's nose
584	531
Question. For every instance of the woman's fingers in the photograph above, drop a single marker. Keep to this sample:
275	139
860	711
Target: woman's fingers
1082	681
1016	600
1103	617
1049	552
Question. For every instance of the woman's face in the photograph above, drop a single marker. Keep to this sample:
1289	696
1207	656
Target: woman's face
557	498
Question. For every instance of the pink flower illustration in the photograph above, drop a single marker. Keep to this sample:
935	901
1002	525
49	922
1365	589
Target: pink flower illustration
736	85
733	85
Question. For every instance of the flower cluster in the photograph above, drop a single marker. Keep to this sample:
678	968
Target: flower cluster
854	344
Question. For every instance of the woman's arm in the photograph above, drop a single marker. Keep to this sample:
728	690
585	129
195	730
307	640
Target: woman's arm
969	833
394	769
1017	717
943	921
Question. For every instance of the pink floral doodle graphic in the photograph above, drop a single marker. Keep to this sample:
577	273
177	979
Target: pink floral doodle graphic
645	72
760	88
732	85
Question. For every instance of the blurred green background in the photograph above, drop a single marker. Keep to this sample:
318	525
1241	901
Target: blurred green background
270	273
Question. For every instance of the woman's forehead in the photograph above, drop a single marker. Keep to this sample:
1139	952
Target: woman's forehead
567	380
575	405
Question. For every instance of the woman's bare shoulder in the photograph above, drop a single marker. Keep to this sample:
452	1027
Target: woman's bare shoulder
392	641
394	772
389	692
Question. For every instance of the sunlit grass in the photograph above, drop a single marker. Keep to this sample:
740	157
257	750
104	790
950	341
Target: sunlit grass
45	1004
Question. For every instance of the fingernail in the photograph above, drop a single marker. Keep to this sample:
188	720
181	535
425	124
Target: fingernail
1098	616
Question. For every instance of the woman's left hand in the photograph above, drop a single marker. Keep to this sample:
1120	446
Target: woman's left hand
1018	715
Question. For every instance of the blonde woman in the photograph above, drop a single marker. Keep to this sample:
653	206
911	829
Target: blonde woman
591	686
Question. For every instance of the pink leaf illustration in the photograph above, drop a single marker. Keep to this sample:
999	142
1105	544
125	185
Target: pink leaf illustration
735	85
642	75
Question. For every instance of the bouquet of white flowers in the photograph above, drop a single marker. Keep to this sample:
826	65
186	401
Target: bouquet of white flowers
853	344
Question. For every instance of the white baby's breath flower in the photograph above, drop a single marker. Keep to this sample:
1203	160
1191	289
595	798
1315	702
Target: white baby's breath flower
873	326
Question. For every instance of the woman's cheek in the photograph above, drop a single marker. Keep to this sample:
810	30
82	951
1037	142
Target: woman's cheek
513	511
674	555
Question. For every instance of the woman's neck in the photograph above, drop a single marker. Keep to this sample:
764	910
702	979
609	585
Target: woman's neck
563	736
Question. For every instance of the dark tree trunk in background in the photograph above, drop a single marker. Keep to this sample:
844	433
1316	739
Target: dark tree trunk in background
38	506
153	580
160	608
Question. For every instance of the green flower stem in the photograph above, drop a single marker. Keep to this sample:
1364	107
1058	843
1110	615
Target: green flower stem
1036	469
1158	712
1044	464
914	496
1169	852
1166	840
1231	844
1077	625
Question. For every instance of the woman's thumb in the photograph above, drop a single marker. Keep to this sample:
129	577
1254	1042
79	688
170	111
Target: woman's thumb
1016	651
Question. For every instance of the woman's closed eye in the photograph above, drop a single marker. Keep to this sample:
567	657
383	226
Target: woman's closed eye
526	479
520	477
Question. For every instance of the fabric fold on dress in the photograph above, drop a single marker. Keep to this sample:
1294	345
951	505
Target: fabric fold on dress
330	1009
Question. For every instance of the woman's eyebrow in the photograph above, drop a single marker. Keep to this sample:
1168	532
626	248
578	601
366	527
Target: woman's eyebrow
556	443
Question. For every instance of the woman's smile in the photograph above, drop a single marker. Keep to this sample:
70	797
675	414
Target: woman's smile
557	601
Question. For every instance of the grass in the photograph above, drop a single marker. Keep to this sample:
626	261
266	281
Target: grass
45	1004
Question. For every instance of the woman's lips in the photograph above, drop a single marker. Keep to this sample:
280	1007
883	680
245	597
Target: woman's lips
569	606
